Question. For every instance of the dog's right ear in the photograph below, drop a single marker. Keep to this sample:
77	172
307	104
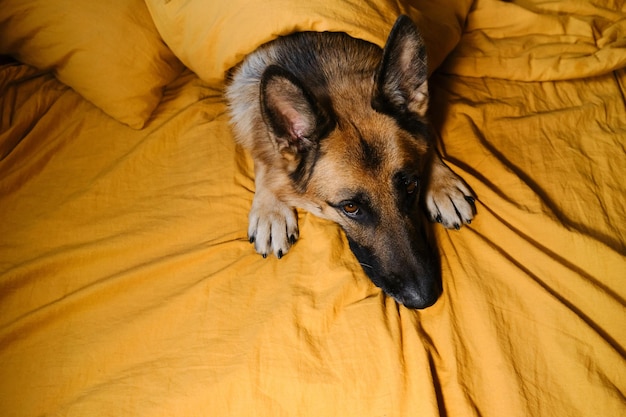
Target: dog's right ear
295	118
401	84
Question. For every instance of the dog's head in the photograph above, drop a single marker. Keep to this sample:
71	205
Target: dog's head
358	153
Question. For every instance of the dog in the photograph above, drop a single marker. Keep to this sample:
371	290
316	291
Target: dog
338	127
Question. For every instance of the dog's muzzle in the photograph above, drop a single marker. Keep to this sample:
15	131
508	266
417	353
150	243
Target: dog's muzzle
413	279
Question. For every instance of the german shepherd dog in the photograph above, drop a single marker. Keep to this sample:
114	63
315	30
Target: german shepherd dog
339	128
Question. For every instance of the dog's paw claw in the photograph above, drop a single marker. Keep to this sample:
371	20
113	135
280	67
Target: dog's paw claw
273	226
453	211
449	200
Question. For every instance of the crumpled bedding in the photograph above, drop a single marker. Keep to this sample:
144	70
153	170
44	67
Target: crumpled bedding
128	287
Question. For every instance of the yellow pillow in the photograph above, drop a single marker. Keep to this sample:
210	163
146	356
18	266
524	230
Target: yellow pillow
210	36
108	51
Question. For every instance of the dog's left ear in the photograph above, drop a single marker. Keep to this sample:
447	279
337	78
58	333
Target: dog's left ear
401	84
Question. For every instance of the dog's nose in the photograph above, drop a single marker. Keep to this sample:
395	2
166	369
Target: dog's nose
419	291
420	300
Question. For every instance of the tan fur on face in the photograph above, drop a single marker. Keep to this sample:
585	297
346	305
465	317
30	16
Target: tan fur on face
344	167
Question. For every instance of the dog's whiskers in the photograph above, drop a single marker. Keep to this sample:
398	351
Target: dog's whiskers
364	265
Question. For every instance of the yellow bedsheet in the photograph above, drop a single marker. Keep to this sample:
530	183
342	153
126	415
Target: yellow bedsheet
128	288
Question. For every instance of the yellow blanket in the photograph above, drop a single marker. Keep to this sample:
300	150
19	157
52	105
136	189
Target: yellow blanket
128	288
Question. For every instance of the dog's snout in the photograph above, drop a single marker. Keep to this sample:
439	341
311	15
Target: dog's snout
420	303
419	292
411	279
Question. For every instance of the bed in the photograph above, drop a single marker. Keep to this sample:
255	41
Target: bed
128	286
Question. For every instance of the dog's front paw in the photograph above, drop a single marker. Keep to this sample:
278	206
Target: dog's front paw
272	227
448	199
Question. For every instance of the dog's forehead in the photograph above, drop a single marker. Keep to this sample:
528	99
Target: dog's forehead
376	144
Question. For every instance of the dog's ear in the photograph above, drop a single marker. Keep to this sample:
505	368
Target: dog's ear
294	116
401	84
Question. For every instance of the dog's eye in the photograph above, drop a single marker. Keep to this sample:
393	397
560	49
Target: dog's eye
351	209
411	185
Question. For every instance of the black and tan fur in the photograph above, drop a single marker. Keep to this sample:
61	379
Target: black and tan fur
338	127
